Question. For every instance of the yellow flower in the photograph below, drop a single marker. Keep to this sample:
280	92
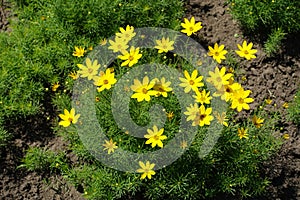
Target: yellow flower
192	112
204	117
79	51
191	82
190	27
170	115
110	146
221	118
199	116
183	144
55	86
130	57
74	75
90	70
286	136
126	34
246	51
218	53
227	91
285	105
258	122
219	78
162	87
240	99
119	45
155	137
68	118
103	42
202	97
143	90
242	133
268	101
105	80
164	45
146	169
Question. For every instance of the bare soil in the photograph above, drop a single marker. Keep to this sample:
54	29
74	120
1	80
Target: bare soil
277	78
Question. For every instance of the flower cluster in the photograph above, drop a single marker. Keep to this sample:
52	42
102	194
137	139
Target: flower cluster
146	88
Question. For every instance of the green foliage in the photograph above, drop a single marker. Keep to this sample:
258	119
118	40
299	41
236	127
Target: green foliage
4	137
267	15
271	18
294	109
37	159
38	52
273	43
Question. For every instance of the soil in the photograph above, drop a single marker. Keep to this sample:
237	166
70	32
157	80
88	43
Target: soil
276	77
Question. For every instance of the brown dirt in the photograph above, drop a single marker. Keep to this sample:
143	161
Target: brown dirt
276	78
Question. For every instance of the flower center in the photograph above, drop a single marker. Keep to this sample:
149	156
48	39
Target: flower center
70	119
105	82
202	116
219	79
241	101
192	82
246	52
228	90
191	29
217	54
156	137
90	70
144	90
130	58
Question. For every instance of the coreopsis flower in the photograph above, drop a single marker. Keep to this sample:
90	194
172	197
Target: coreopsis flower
79	51
68	118
170	115
192	112
90	70
103	42
285	105
219	78
191	82
118	45
146	169
183	144
74	75
110	146
258	122
164	45
242	133
155	137
246	51
130	57
226	91
143	90
286	136
268	101
105	80
218	52
221	118
126	34
240	99
190	27
204	117
203	97
162	87
55	86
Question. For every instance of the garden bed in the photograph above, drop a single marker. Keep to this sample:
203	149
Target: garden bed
276	78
